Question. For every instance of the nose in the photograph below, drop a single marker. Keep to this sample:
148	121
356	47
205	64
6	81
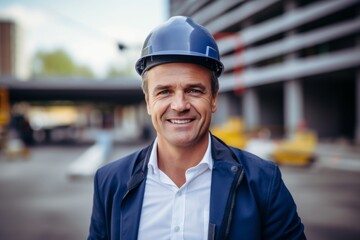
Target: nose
179	102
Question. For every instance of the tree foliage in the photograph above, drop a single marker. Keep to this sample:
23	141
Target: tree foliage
58	63
114	71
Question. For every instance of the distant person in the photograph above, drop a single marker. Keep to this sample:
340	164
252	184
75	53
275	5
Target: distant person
188	184
26	132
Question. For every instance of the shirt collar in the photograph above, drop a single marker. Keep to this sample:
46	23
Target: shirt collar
153	164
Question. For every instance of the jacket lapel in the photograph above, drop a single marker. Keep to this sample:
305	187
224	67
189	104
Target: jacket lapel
131	204
225	174
225	171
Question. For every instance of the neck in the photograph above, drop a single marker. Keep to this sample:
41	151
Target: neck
174	161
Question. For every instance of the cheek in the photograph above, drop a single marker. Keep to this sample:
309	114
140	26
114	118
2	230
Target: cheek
155	107
209	104
148	108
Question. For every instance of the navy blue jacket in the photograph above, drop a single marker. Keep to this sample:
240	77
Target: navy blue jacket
248	198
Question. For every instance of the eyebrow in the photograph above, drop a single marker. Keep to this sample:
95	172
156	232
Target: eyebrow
161	87
196	85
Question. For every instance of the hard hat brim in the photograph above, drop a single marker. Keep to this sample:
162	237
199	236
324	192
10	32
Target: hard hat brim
149	62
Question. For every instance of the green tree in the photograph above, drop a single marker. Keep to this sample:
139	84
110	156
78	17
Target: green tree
58	63
114	71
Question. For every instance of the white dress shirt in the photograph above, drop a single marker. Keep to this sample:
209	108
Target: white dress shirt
169	212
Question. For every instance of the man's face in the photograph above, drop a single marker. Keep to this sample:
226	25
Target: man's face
180	103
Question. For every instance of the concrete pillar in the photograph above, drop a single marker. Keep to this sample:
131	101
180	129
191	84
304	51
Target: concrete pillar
222	112
357	108
294	110
227	106
293	94
251	108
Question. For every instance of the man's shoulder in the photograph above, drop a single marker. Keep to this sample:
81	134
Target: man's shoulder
122	167
121	163
253	164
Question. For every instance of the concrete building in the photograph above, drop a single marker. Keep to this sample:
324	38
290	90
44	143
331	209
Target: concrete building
7	46
287	62
13	59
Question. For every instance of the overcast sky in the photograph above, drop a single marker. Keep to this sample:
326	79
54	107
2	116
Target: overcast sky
88	29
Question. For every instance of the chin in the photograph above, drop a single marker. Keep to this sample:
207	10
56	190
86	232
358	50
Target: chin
184	141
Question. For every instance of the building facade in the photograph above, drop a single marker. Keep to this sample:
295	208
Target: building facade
7	48
13	59
288	63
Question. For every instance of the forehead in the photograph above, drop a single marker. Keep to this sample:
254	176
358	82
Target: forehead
174	73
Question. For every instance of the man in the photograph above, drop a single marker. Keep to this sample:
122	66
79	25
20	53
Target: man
188	184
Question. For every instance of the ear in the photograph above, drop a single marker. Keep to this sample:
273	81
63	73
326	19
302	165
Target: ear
214	103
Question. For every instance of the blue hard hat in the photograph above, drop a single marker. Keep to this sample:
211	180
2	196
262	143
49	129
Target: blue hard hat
180	40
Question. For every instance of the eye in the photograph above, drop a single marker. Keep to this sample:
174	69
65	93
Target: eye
163	92
194	91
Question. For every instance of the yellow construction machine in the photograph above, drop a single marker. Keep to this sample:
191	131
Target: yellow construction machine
232	132
298	150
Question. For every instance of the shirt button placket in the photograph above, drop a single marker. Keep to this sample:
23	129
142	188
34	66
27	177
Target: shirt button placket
178	215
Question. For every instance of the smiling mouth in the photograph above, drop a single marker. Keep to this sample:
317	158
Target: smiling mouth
175	121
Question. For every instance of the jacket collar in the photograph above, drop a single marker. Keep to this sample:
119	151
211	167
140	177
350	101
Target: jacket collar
226	172
222	152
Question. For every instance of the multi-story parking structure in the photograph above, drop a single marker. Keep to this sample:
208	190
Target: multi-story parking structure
287	62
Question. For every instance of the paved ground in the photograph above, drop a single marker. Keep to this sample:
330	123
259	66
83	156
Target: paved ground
39	202
327	200
37	199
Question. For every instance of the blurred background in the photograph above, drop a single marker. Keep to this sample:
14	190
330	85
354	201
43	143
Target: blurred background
70	101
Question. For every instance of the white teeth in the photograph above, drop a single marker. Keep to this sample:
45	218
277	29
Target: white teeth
179	121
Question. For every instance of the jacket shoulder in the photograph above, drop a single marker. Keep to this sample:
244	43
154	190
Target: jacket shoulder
254	165
120	170
261	175
273	198
112	168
